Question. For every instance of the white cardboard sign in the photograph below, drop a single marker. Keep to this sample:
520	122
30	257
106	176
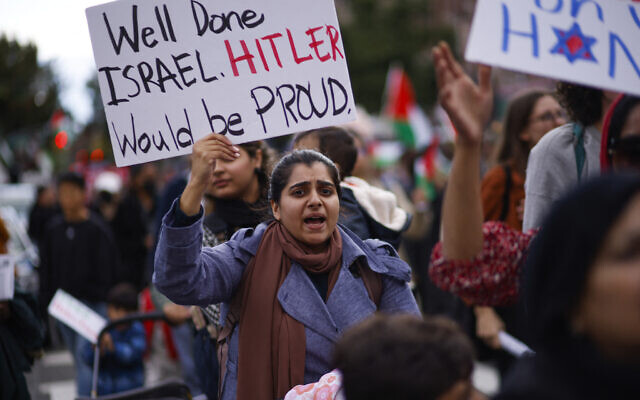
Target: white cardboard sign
7	277
73	313
591	42
172	71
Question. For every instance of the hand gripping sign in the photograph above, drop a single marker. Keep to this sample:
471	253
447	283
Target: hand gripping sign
172	71
590	42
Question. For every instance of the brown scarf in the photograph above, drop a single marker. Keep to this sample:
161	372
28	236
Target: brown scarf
272	344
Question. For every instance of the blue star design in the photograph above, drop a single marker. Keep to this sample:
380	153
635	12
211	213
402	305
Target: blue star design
574	45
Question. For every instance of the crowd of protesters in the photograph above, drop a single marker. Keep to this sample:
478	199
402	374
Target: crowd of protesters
294	274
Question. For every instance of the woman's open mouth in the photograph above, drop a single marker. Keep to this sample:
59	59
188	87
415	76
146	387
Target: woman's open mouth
315	222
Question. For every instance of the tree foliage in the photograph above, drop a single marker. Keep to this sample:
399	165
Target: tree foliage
28	90
379	33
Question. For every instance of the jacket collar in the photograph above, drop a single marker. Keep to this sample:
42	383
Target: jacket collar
385	262
352	246
348	302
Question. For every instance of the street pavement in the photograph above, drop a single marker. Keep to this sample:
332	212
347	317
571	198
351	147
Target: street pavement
52	377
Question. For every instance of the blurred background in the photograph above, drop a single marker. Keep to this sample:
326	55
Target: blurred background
52	120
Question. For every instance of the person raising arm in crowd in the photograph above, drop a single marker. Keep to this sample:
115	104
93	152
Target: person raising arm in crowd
289	286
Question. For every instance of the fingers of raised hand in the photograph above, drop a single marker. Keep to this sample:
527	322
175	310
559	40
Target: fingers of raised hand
443	75
215	146
452	65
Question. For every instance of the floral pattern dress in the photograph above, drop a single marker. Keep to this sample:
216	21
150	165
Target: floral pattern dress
491	278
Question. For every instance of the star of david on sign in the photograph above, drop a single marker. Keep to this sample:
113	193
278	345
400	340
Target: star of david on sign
574	45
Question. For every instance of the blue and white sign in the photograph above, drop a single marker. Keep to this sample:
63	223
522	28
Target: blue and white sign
591	42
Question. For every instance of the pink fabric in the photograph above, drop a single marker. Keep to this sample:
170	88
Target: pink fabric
491	278
327	388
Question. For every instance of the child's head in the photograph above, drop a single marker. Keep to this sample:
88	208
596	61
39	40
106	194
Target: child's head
122	300
405	357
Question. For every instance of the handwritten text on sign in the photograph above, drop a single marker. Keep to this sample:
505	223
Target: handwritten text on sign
592	42
173	71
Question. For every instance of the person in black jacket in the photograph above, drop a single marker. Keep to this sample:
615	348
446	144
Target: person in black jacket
21	339
132	224
78	255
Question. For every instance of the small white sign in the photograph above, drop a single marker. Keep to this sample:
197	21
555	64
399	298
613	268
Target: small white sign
590	42
75	314
173	71
7	277
512	345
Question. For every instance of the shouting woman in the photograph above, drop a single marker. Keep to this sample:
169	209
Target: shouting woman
290	286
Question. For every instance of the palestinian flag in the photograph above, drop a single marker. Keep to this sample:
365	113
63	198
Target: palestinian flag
411	124
425	170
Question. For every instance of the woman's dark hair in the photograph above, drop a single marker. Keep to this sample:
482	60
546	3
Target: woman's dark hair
619	119
282	171
563	253
517	118
337	144
402	357
124	296
265	167
583	104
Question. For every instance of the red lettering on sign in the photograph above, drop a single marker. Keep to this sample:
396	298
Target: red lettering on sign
315	43
297	59
334	36
246	56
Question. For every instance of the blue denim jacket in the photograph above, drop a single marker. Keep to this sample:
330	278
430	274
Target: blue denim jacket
191	275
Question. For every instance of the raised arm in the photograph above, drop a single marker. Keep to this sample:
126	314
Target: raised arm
478	262
203	162
183	271
469	106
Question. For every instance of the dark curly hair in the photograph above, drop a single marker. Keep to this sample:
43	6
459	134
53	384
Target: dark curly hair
402	357
583	104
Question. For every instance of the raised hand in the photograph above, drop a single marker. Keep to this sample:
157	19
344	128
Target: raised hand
203	162
205	153
469	107
468	104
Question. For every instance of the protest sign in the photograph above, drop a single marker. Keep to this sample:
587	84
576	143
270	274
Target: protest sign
590	42
170	72
77	316
7	277
512	345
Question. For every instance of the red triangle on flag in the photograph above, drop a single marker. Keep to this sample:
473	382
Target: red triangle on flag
400	95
